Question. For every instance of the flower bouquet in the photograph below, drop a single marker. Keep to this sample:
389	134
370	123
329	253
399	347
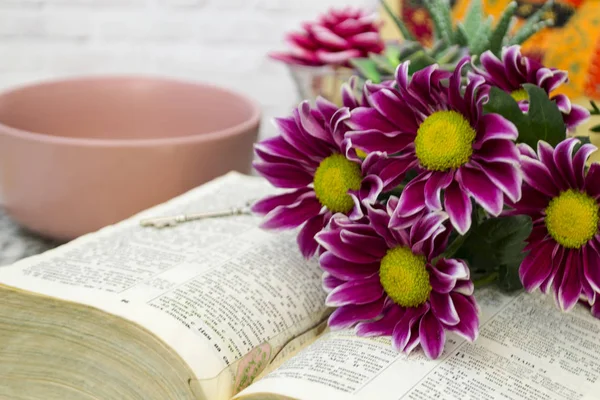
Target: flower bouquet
419	189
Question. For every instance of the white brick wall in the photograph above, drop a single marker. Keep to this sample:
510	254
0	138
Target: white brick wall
221	41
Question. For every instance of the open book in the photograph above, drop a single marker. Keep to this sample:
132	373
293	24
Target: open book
219	309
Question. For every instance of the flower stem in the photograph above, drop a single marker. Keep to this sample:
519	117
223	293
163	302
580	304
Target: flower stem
486	280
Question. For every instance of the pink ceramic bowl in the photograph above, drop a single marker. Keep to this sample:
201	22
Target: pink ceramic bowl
79	154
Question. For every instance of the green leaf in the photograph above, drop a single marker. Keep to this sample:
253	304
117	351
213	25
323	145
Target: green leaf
533	24
406	34
383	63
392	53
545	119
449	55
502	27
508	275
480	42
367	68
595	129
595	110
473	18
502	103
462	37
438	10
418	61
495	248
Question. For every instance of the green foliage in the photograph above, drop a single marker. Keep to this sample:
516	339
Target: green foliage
502	28
543	121
367	68
476	34
495	249
399	24
473	18
594	111
534	24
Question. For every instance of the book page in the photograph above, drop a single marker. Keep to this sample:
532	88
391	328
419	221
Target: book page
213	289
527	349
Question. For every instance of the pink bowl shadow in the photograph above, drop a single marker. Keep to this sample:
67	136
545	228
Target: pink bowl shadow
79	154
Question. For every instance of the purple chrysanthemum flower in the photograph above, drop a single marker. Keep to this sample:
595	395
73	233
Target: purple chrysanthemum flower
334	39
432	125
385	281
514	70
563	202
325	175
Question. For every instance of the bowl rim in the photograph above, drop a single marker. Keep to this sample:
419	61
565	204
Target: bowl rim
244	127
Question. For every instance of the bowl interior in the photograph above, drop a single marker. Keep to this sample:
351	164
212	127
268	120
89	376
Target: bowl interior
123	108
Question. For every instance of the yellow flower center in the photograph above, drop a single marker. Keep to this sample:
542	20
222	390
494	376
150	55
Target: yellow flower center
404	277
361	154
333	178
520	94
572	218
444	141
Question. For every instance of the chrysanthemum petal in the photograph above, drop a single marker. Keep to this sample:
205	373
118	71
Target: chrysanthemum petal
330	282
282	175
370	189
311	125
527	151
468	327
591	267
498	150
306	237
347	316
438	181
375	140
592	180
579	162
459	208
546	156
286	217
279	148
290	132
464	287
570	288
331	241
432	336
370	244
479	186
536	266
443	308
403	329
383	326
424	229
577	116
456	269
266	205
563	103
537	176
365	118
355	292
412	199
595	309
495	71
564	160
494	126
389	105
390	170
553	81
346	270
505	176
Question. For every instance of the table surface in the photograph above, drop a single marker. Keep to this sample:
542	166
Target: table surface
17	243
